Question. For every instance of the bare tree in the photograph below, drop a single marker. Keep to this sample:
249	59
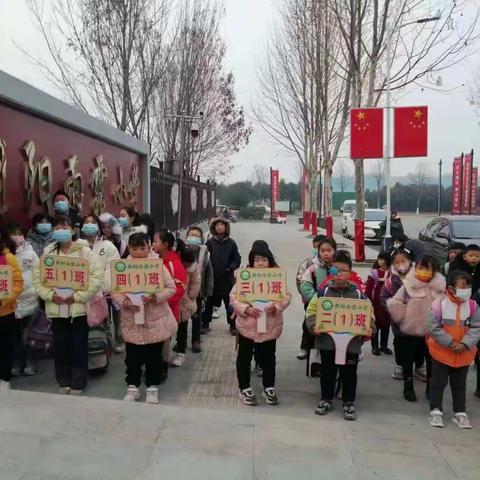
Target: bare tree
260	174
420	178
378	173
343	175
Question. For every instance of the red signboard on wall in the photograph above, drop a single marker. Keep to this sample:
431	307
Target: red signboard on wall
474	192
467	183
457	179
275	187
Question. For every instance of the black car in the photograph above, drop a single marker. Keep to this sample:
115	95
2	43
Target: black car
442	231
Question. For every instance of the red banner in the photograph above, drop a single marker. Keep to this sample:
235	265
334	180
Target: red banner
411	132
275	187
474	192
457	180
366	133
467	183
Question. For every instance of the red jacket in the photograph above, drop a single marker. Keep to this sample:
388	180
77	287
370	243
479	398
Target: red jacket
179	274
354	278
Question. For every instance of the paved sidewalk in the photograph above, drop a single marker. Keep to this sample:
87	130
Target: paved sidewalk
201	431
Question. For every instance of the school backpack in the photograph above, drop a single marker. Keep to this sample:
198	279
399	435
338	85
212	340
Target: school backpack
39	336
99	348
97	310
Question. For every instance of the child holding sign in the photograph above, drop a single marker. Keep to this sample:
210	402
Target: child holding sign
339	286
11	285
66	278
258	326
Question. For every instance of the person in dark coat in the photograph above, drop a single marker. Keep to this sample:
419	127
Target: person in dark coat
225	260
469	262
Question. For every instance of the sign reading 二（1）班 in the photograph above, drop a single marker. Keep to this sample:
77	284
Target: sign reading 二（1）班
344	315
6	282
261	285
58	271
137	275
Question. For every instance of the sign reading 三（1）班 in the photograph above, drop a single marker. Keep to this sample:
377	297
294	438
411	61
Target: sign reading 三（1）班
57	271
137	275
6	282
261	284
344	315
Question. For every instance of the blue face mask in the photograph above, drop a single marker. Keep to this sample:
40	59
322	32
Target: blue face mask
194	241
123	221
62	235
44	228
90	229
61	206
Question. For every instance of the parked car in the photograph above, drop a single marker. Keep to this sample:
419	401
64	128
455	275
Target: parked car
347	210
442	231
373	218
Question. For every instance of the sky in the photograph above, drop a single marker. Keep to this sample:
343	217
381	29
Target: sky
454	126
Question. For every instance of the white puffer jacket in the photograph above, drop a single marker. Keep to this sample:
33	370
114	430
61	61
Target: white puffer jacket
27	301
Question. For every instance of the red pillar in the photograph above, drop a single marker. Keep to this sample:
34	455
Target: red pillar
314	218
306	220
359	240
329	226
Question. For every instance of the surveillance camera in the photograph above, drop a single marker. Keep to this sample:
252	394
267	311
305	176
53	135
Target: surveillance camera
194	130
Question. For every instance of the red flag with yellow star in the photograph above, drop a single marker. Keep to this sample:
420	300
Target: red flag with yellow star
366	133
411	132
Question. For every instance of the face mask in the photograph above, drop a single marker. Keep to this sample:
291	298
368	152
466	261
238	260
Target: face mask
90	229
61	206
123	221
194	241
423	275
62	236
402	268
18	240
44	228
397	245
463	293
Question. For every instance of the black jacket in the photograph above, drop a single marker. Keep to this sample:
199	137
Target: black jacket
460	264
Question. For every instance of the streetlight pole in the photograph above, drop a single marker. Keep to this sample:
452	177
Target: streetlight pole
440	187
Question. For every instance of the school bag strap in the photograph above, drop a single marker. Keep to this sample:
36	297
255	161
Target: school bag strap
3	259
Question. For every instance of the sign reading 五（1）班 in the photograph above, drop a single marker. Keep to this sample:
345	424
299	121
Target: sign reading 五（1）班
6	282
261	284
57	271
137	275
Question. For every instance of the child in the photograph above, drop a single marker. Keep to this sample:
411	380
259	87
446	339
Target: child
41	233
339	286
250	341
27	302
111	230
144	341
7	310
70	330
410	308
454	328
375	282
454	249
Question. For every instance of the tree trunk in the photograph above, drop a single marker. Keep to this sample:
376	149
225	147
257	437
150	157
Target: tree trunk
359	190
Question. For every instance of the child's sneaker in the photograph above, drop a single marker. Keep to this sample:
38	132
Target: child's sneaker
270	395
323	407
4	386
152	395
436	418
29	371
302	354
133	394
349	411
462	420
397	373
16	372
178	360
216	313
248	397
64	390
76	391
421	373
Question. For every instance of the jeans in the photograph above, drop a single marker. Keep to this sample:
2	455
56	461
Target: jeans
264	355
348	376
443	374
7	326
70	341
383	333
216	301
411	351
136	356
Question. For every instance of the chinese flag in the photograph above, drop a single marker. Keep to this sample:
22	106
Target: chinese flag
411	132
366	133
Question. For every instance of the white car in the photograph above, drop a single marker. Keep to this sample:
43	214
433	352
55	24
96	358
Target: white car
347	210
373	218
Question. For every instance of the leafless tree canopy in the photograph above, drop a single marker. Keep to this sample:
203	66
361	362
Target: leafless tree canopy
343	175
377	172
420	178
260	174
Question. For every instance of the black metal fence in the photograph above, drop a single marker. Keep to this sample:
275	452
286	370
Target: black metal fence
198	199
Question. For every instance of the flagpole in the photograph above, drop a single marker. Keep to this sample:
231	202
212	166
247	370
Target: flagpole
387	239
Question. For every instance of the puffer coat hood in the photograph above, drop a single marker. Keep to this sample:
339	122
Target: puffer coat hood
217	220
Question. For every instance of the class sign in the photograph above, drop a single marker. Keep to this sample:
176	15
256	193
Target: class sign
6	282
57	271
261	284
137	275
344	315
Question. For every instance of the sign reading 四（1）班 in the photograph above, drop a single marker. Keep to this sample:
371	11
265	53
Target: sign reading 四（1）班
6	282
344	315
261	284
137	275
57	271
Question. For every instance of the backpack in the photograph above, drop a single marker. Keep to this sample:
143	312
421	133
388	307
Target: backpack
99	348
39	334
97	310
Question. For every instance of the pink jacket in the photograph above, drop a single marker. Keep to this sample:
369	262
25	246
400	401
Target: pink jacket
160	323
410	306
247	326
188	305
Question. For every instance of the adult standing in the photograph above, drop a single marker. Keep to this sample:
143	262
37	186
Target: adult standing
225	260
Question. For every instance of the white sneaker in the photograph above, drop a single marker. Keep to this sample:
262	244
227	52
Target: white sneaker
4	386
216	312
398	373
64	390
421	373
302	354
178	360
152	395
29	371
436	418
133	394
462	420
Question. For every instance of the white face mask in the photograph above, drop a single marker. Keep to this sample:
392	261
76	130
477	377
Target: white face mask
463	293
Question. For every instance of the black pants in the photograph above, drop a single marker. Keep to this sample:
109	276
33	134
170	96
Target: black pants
443	374
21	351
182	335
137	356
197	322
348	376
70	342
383	333
308	340
216	301
264	356
7	326
411	351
